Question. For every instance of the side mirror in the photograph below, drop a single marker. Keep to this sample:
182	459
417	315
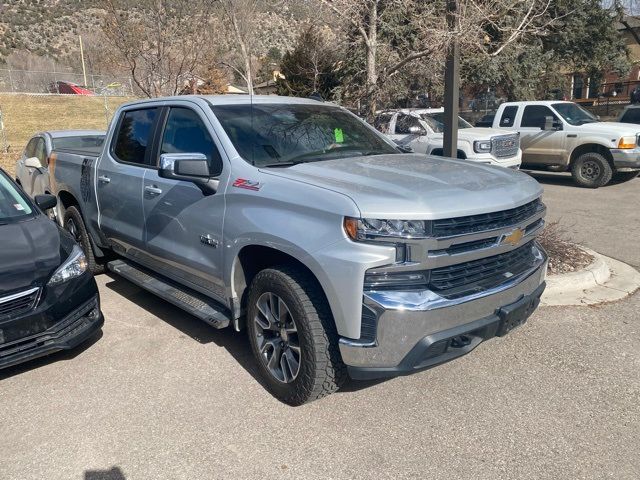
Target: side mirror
189	167
551	123
415	130
32	162
46	202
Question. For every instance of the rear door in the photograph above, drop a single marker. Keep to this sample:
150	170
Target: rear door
543	147
183	227
120	174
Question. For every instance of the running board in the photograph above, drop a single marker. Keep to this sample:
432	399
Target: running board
198	305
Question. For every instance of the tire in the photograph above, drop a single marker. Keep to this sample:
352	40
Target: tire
74	224
306	324
591	170
621	177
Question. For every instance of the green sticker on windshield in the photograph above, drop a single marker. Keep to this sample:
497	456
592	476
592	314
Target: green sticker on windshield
337	133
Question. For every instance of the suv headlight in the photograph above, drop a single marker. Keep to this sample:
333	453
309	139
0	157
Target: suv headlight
73	267
360	229
482	146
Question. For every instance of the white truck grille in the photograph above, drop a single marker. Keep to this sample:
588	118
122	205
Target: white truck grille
506	145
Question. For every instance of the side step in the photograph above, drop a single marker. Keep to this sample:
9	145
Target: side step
192	302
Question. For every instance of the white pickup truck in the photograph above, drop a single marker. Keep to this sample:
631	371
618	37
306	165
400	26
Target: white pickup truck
562	136
422	130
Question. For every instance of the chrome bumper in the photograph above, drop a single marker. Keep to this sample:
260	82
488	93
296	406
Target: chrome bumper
624	159
404	319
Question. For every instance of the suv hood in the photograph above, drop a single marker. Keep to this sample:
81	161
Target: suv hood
413	186
31	251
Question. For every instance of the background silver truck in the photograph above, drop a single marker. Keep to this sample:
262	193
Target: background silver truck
301	223
563	136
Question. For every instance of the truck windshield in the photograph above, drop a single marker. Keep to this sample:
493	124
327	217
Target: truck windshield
436	121
13	205
284	134
574	114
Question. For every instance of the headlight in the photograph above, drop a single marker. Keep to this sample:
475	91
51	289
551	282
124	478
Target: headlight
627	142
482	146
73	267
370	229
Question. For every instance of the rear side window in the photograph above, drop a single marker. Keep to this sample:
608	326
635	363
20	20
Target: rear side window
534	115
508	116
134	136
186	133
381	122
632	115
30	151
41	151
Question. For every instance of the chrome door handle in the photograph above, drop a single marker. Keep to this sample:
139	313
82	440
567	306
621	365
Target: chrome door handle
104	179
152	190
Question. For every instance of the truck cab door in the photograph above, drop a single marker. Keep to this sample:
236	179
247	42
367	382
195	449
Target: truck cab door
183	226
408	130
540	146
120	172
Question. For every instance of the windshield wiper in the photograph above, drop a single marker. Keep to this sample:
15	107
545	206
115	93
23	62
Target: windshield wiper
289	163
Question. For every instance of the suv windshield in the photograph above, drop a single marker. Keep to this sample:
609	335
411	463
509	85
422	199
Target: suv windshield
13	205
436	121
574	114
285	134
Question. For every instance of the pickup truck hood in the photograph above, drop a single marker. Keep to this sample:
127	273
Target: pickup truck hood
413	186
615	129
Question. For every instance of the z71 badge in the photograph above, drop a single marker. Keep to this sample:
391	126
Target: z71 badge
247	184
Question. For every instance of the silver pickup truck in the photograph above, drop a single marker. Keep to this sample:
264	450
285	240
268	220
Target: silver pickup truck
295	220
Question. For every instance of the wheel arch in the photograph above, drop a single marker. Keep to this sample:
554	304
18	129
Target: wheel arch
439	152
589	148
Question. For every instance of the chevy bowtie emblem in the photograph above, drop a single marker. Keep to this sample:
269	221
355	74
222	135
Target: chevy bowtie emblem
512	238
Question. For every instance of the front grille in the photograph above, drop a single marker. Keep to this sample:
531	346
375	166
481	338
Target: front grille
463	279
505	145
18	303
449	227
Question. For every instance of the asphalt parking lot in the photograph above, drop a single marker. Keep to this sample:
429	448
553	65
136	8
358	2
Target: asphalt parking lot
160	395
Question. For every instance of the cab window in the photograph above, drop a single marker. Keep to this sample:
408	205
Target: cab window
186	133
534	116
134	136
508	116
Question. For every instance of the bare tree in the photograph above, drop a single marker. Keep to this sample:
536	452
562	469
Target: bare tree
484	26
161	43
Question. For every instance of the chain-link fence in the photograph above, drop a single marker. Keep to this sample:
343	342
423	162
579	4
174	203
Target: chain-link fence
73	83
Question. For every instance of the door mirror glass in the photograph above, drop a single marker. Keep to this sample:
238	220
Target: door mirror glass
550	123
415	130
32	162
46	202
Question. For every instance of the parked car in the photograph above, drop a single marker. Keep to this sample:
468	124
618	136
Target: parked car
68	88
563	136
423	131
48	298
486	121
295	220
630	114
32	168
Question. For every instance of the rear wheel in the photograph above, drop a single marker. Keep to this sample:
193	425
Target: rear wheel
74	224
591	170
621	177
293	336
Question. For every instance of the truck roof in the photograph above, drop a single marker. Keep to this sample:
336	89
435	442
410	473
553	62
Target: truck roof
71	133
536	102
242	99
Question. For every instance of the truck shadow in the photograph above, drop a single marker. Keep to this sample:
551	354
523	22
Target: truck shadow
552	178
233	342
114	473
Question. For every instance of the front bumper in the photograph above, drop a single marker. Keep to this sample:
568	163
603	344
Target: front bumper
415	329
66	316
626	159
508	162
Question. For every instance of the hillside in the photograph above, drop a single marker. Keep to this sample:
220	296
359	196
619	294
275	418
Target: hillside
24	115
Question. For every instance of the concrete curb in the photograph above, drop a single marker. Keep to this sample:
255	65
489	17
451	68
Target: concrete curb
605	280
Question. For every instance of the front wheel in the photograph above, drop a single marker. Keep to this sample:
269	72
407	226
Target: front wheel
591	170
293	336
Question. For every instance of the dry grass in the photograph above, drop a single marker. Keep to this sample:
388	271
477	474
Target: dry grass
25	114
564	256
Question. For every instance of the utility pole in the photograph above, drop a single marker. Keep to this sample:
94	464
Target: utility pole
451	84
84	71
